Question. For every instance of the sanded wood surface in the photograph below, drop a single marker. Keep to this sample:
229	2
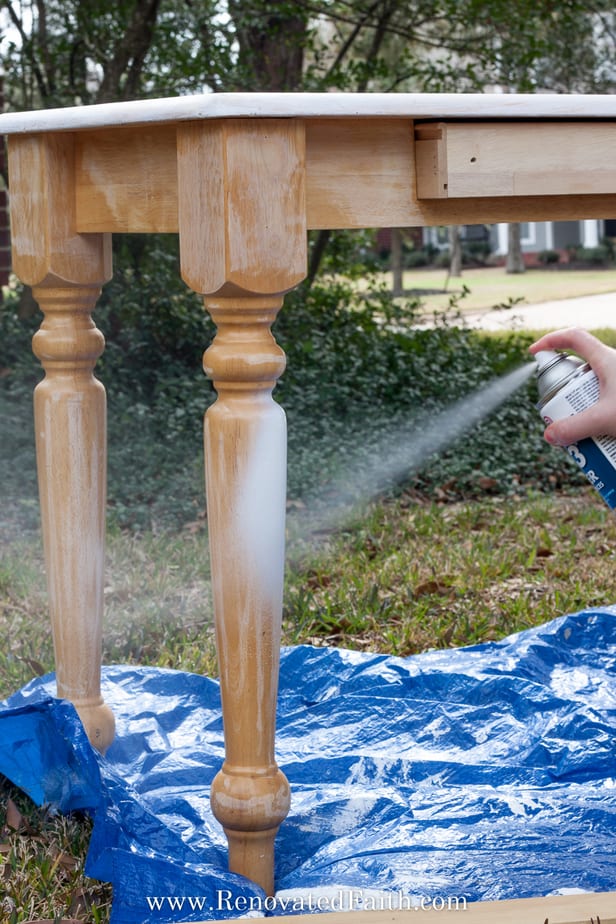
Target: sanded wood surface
243	244
126	180
358	174
66	271
482	159
242	205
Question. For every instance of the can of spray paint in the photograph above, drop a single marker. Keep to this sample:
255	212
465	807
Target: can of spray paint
566	386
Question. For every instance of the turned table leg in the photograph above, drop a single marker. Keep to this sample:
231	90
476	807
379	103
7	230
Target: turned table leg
245	452
66	271
70	426
243	244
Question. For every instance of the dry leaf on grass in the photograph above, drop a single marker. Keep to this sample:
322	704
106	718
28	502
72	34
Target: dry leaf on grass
15	820
432	587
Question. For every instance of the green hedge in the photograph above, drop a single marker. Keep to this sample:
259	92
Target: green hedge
359	378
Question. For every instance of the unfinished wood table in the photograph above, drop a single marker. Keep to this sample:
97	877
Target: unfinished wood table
241	178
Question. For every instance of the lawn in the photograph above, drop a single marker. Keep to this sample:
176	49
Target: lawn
490	287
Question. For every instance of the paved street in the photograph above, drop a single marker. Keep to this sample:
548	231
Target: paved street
590	311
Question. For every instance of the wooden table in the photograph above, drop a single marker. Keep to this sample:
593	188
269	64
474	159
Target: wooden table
241	178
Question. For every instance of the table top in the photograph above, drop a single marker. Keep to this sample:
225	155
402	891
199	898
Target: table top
507	106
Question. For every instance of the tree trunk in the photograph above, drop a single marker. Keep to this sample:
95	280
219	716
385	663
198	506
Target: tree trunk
515	260
396	261
319	246
123	71
455	251
272	35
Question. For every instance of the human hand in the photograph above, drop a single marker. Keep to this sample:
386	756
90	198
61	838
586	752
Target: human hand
600	419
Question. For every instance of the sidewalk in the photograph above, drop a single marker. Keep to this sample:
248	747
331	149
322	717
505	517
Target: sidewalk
589	311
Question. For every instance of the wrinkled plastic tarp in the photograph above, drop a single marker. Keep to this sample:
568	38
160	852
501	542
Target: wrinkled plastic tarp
483	772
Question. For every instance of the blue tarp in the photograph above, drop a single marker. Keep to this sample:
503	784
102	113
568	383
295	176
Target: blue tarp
482	772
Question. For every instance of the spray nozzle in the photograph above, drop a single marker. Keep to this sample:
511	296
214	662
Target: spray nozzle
546	358
554	369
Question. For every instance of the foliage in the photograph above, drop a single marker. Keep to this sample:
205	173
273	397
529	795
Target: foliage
548	256
19	370
360	376
601	255
414	259
564	46
351	252
156	331
83	51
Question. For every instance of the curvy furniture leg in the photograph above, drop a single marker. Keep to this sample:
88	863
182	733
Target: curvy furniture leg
70	424
241	210
245	451
66	271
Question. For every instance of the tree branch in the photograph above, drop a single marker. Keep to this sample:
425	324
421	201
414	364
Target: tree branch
129	54
27	46
43	44
347	44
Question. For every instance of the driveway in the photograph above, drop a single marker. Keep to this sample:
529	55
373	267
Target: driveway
589	311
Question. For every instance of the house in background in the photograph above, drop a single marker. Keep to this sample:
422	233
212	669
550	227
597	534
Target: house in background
537	237
559	236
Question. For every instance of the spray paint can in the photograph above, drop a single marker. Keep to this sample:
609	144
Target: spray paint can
566	386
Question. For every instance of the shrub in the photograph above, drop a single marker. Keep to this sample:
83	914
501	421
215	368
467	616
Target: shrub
416	258
359	376
355	388
475	252
593	256
548	256
442	258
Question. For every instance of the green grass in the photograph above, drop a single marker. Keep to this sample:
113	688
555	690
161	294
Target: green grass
157	605
492	286
414	576
407	576
42	875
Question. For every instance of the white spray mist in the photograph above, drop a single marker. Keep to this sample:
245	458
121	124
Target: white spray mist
408	452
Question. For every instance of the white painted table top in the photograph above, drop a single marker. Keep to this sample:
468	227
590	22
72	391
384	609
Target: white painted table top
313	105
